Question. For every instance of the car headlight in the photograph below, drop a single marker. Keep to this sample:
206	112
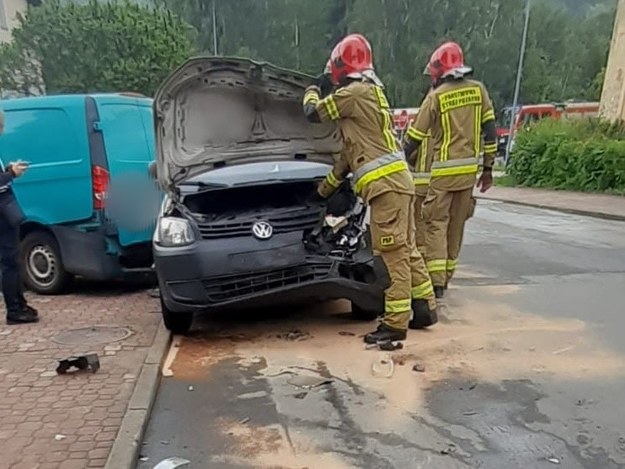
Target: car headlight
173	232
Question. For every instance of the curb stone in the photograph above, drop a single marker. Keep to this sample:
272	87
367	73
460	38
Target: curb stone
127	444
572	211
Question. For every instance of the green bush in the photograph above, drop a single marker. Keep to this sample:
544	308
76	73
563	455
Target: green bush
582	155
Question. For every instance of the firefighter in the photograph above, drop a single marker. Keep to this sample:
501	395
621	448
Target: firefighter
456	112
421	176
372	154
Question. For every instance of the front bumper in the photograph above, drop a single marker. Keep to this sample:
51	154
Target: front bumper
242	273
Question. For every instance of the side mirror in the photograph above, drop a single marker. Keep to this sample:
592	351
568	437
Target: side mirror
152	171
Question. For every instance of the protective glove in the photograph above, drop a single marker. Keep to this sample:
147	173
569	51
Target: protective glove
315	198
324	83
410	147
485	181
340	203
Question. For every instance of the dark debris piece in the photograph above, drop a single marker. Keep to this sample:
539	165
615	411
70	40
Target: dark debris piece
84	362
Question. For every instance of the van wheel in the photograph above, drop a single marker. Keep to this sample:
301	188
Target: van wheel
41	264
362	314
177	323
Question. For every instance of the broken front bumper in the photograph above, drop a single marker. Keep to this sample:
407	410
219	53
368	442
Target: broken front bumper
224	274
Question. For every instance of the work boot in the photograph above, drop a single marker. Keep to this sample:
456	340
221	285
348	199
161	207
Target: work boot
385	333
21	317
439	292
422	315
30	309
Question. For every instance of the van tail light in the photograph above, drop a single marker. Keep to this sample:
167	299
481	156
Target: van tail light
100	182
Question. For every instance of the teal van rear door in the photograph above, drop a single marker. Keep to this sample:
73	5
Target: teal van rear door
50	133
133	199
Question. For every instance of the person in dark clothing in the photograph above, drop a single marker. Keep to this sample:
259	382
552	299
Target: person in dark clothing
11	217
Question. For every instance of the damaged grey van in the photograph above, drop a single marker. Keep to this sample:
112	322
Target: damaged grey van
238	163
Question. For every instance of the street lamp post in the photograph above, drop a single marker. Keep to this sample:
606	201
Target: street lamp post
517	86
214	29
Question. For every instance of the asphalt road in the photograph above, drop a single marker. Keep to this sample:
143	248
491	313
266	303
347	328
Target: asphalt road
525	370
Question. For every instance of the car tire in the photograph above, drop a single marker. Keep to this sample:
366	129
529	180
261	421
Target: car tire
41	264
176	323
362	314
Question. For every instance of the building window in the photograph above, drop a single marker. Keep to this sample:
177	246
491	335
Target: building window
3	16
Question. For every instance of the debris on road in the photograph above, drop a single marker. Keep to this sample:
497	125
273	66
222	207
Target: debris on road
470	413
300	395
172	463
418	368
84	362
59	437
244	421
345	333
389	346
191	388
309	382
553	460
383	367
294	335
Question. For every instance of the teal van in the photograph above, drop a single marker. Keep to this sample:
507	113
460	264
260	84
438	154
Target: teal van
89	202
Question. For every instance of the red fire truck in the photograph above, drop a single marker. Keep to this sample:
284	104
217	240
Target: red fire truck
527	114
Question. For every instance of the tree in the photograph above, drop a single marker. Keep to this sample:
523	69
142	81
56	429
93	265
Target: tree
93	47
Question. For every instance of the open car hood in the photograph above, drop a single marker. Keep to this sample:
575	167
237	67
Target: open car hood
216	111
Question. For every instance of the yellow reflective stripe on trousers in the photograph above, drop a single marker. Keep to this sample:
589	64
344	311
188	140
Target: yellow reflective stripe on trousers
421	179
446	137
477	130
387	126
377	169
455	167
331	109
424	290
332	180
416	134
437	265
397	306
452	264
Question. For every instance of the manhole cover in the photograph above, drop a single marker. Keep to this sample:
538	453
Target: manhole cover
93	335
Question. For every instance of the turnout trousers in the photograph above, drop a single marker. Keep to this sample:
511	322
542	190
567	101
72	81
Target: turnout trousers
445	213
393	235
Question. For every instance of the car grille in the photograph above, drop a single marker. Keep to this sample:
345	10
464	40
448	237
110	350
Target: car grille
296	220
237	286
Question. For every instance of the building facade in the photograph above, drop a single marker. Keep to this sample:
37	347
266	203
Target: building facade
8	16
613	94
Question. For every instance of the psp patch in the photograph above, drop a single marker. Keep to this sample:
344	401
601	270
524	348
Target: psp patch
386	241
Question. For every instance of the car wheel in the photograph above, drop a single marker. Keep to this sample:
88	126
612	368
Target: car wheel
177	323
41	264
362	314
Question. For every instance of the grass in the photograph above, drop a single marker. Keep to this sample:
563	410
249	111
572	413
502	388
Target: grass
504	181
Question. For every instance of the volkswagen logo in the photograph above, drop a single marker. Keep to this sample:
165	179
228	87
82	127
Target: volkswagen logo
262	230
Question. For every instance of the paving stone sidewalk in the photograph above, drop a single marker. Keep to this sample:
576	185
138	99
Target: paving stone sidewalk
50	421
598	205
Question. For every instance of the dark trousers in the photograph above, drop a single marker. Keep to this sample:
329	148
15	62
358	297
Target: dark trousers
11	217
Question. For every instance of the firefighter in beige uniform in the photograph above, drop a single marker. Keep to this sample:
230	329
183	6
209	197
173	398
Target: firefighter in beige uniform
456	112
381	177
421	177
